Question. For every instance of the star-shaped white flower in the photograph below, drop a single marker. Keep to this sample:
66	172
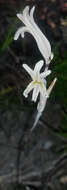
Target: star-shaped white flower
30	26
38	84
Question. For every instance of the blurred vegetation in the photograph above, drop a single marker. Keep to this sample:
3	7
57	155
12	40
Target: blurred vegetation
60	71
9	37
59	93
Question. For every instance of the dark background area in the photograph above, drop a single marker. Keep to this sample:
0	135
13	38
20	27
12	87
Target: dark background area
38	159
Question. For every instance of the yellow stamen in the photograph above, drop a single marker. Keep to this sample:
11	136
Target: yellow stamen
39	83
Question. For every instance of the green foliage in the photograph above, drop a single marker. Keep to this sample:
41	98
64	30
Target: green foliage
9	99
59	70
9	37
8	41
64	123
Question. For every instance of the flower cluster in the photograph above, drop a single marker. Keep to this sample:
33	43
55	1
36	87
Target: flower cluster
38	84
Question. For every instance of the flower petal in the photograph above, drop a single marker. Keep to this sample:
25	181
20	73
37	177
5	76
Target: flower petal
29	70
52	55
26	11
27	20
21	32
45	74
32	12
42	103
44	40
20	16
28	89
24	17
38	66
42	89
24	29
35	93
17	34
38	29
40	38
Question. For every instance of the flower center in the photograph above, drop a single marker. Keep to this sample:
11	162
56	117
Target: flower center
38	82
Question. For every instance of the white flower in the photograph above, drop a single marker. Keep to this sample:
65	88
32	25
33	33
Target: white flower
30	26
38	84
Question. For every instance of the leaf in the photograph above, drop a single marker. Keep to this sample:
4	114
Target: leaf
9	37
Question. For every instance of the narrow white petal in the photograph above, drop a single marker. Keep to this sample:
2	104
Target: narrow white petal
45	74
38	66
27	20
24	29
35	93
45	82
42	89
42	103
21	32
24	17
43	99
52	55
40	38
28	89
26	11
20	16
39	32
17	34
32	12
29	70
